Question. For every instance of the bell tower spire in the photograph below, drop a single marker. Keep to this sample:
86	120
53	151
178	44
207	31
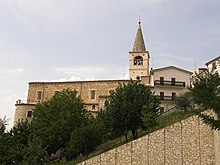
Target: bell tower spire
139	56
139	45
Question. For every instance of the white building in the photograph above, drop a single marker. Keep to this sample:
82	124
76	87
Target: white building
214	65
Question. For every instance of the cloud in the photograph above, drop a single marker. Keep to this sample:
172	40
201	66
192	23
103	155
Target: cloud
53	14
166	59
67	15
11	71
91	72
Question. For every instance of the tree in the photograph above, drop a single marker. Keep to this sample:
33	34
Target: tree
3	124
183	101
55	119
14	143
85	138
205	91
129	109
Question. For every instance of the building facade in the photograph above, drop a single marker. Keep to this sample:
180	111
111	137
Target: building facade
214	65
166	82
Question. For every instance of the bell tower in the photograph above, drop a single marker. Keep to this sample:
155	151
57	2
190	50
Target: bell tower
138	57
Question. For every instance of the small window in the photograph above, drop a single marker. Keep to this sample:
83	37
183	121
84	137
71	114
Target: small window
161	80
92	94
161	95
106	103
93	107
213	66
173	80
39	95
29	114
111	91
173	95
55	92
161	109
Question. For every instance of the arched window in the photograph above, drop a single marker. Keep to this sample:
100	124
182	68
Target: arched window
138	60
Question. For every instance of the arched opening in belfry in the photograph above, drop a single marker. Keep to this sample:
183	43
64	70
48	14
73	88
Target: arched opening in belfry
138	60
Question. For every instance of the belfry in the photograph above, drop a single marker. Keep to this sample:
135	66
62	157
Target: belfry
139	57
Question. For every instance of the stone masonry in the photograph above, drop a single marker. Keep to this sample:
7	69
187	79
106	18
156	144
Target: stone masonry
189	142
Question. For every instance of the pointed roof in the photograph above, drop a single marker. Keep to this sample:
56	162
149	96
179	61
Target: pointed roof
139	45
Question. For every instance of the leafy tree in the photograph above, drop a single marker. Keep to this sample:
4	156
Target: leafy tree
183	101
205	91
84	139
13	143
3	124
55	119
129	109
34	152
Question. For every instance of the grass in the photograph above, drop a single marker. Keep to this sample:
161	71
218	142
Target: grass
163	121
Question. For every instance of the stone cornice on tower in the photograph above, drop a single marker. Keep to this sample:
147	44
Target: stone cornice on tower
139	45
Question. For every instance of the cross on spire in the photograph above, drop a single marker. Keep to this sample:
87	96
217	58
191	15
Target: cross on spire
139	20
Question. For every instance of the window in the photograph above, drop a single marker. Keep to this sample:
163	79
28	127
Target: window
161	95
138	60
39	95
111	91
173	95
92	94
213	66
161	109
161	80
29	114
173	81
55	92
106	103
93	107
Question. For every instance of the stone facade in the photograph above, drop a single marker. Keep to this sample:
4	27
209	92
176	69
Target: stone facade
187	142
93	93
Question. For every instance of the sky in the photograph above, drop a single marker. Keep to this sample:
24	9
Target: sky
67	40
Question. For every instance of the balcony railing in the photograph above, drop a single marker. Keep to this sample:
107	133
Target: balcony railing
167	98
170	83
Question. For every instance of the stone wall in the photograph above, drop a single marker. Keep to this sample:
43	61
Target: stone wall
21	112
187	142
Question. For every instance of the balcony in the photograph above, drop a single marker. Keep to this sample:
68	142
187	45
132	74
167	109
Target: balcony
167	98
170	83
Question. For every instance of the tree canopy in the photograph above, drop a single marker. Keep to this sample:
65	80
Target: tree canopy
61	128
131	106
205	91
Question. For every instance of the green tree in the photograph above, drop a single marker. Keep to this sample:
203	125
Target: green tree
205	91
183	101
14	143
3	124
85	138
55	119
129	109
34	152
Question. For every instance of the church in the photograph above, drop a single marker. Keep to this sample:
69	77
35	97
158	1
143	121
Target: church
167	82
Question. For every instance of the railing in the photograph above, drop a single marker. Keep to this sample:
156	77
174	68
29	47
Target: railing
170	83
167	98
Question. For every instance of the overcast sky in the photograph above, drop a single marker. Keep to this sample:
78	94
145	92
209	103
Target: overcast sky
44	40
